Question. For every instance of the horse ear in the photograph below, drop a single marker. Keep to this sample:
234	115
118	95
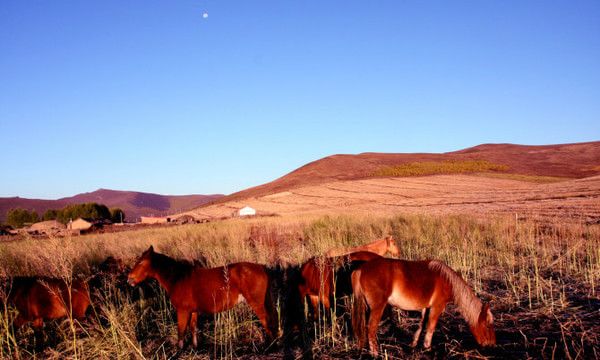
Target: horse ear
489	317
151	249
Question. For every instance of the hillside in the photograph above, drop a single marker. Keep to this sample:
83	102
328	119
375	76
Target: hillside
536	179
563	160
135	204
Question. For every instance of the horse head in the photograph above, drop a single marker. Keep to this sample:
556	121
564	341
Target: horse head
392	247
484	329
142	268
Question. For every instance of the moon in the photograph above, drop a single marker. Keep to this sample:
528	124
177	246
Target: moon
205	15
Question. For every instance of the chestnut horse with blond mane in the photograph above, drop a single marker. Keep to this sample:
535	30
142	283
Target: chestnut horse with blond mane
195	290
42	298
415	285
380	247
318	273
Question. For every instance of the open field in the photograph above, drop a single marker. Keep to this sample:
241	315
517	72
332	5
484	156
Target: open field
476	194
542	280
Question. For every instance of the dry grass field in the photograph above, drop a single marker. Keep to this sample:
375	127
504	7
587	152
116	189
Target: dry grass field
541	278
476	194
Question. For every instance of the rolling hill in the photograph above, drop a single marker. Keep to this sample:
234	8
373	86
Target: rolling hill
551	179
134	204
564	160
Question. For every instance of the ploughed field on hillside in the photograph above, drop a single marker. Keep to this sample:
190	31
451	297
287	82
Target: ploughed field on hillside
476	194
541	279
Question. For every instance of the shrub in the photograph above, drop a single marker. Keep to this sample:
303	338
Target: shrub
117	215
17	218
88	210
50	214
440	167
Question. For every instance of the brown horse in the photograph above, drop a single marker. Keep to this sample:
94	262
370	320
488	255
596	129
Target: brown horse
195	290
317	277
380	247
41	298
415	285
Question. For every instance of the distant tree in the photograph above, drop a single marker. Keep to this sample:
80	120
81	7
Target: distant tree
50	214
17	218
92	211
117	215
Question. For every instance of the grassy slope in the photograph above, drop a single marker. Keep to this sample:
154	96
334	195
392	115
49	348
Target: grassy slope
563	160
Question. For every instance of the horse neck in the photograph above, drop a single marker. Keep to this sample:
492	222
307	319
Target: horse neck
167	271
467	302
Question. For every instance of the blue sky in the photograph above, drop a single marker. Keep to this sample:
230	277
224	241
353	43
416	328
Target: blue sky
148	95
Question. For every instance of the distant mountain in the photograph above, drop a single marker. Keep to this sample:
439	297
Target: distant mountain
563	160
134	204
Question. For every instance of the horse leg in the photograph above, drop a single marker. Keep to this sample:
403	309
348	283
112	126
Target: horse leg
38	331
374	319
314	302
263	315
434	314
18	322
193	325
418	332
326	304
183	317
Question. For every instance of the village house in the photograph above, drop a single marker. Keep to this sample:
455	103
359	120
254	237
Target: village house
154	220
82	225
50	227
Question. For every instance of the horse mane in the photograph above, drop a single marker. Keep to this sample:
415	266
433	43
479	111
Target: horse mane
464	297
170	268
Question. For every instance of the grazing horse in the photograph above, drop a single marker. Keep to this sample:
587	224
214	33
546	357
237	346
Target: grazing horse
195	290
415	285
41	298
317	277
380	247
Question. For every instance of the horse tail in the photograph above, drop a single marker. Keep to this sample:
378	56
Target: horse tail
464	297
273	295
359	309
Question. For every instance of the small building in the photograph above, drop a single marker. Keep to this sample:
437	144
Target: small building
80	224
246	211
50	227
186	219
154	220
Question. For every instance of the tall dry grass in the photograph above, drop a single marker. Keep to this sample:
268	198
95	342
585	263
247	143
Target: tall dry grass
541	277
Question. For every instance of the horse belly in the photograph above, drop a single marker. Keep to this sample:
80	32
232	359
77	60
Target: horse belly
220	301
402	299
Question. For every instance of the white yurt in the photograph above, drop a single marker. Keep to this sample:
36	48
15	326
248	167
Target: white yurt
246	211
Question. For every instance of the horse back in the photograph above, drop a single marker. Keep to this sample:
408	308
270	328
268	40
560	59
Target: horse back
411	285
378	247
363	256
316	275
216	289
252	279
48	298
